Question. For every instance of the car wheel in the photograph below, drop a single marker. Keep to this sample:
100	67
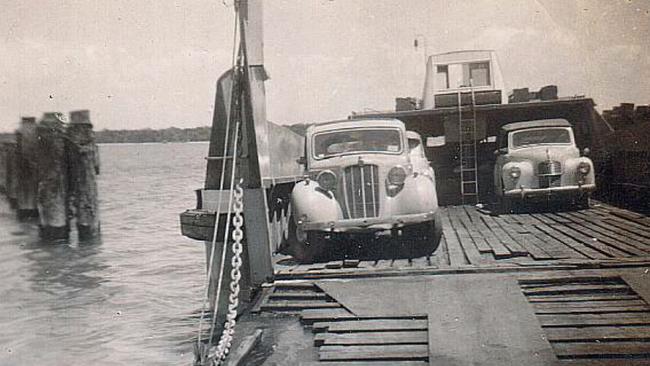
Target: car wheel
423	239
582	201
305	247
507	205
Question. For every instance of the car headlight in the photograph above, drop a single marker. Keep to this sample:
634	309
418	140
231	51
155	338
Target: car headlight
584	168
514	172
397	175
327	180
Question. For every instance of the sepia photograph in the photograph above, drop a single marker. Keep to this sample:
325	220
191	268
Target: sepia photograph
325	182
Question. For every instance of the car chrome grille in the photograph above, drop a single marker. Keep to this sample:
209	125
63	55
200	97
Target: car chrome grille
360	191
549	168
550	181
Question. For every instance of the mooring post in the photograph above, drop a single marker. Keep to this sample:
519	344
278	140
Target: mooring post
11	182
52	182
83	166
26	152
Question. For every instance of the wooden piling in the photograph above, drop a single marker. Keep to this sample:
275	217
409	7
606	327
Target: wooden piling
52	182
27	176
83	166
11	179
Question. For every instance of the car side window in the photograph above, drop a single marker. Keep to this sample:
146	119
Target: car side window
415	148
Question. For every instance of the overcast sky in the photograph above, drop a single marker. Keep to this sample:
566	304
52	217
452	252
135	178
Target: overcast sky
154	63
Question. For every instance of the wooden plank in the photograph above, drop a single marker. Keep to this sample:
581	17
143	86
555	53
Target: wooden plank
464	238
552	246
603	235
295	285
370	338
478	239
586	239
622	361
615	230
365	363
456	255
309	316
576	320
576	289
591	304
421	262
378	325
510	243
602	349
381	352
579	298
298	305
551	230
621	333
401	263
298	295
498	248
262	298
595	310
440	258
529	242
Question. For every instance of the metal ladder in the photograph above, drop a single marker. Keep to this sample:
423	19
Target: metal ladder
467	150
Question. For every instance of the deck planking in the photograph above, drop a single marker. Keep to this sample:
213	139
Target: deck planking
474	238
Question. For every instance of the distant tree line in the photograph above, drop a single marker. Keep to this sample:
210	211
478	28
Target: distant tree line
172	134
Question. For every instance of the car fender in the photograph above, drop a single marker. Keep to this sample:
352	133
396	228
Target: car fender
571	168
310	203
417	196
525	180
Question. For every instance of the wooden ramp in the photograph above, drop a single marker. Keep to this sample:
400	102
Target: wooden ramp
474	240
585	317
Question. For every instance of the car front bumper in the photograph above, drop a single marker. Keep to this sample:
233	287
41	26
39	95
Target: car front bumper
368	224
553	191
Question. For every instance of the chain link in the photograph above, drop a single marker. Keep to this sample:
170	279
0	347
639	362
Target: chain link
225	342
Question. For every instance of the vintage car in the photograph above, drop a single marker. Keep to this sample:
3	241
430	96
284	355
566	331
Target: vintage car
540	160
363	178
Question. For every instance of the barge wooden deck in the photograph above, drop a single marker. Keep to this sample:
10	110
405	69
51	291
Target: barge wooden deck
476	241
553	288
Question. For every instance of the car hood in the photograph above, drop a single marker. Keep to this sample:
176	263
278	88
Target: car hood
338	162
542	153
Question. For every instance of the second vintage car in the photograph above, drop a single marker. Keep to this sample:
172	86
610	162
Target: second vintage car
540	160
367	177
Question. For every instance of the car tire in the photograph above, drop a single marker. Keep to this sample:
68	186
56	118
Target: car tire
304	247
423	239
507	205
582	201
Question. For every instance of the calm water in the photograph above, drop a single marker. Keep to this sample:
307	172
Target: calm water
131	299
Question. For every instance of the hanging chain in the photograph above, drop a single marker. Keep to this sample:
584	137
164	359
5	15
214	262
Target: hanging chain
225	342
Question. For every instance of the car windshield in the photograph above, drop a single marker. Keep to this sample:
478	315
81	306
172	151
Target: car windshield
541	136
355	141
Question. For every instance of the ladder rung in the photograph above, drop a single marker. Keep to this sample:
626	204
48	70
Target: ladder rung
217	157
470	194
468	169
470	182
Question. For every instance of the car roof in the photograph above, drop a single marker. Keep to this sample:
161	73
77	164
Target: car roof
556	122
369	122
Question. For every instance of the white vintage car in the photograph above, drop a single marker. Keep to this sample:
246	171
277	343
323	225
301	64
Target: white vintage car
540	159
367	177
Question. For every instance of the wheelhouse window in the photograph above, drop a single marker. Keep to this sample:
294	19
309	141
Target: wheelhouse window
463	75
345	142
479	73
541	136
